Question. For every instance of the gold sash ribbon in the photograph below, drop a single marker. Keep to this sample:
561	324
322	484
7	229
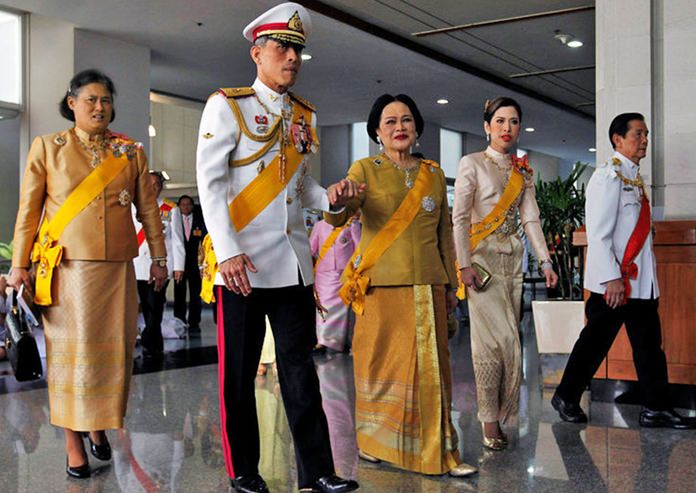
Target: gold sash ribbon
493	220
329	242
47	252
255	197
356	282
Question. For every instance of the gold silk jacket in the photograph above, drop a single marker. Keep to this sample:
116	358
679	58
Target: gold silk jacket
103	230
424	253
477	189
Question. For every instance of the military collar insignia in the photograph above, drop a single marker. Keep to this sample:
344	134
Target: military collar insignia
208	135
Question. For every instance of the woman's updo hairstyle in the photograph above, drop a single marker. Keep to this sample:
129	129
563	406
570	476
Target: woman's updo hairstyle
379	105
84	78
493	105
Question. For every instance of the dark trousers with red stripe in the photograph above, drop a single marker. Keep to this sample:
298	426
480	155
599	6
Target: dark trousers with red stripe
645	334
152	305
241	330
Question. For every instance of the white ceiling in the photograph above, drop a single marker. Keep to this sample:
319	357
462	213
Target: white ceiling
351	67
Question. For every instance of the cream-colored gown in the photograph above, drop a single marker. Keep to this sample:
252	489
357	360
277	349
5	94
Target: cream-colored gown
494	312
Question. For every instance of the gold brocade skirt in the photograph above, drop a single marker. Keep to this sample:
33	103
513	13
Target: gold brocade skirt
402	379
90	334
494	316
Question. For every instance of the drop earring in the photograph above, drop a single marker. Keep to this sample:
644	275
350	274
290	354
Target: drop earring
488	137
381	146
417	144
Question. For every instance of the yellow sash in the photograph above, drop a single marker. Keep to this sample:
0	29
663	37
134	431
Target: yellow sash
329	242
355	287
47	252
493	220
255	197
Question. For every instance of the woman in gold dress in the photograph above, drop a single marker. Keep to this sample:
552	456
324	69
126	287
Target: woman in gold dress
493	188
401	282
83	254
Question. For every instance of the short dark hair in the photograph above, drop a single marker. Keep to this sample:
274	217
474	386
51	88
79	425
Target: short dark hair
89	76
619	125
379	105
493	105
178	203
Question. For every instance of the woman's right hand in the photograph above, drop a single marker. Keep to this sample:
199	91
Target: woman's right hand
470	278
20	277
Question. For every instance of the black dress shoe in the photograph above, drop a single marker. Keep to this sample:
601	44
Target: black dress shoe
667	418
568	411
249	484
332	484
79	472
101	452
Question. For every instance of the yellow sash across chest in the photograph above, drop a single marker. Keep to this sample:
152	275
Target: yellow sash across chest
356	282
494	219
330	241
47	252
257	195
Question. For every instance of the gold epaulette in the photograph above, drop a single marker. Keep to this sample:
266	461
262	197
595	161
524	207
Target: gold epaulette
235	92
616	161
303	102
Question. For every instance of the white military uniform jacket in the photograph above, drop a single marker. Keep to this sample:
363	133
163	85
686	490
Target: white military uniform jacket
276	240
611	214
173	240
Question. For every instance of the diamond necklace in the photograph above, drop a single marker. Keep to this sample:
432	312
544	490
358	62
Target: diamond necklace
93	151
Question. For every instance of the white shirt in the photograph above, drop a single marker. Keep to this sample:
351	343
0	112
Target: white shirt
173	240
611	214
276	240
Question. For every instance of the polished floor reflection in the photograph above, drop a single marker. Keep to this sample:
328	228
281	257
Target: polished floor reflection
172	439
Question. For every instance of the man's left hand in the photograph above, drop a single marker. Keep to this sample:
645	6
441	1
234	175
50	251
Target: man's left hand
340	193
178	276
158	276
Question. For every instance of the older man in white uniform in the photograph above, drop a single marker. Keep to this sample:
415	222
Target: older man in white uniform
622	279
253	181
152	302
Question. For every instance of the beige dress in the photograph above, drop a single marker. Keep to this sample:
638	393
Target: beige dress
494	312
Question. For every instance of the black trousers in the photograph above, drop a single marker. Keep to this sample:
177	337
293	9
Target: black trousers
241	330
192	281
645	334
152	305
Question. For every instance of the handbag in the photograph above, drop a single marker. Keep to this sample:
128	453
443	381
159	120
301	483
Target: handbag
20	344
483	274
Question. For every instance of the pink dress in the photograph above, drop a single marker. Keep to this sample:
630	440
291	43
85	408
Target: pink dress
333	333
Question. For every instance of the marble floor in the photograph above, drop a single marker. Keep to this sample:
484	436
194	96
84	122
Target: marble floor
172	439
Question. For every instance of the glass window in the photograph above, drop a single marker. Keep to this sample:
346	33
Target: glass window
450	151
359	141
10	58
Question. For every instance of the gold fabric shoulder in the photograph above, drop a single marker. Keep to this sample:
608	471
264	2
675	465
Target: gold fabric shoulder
237	92
58	139
431	163
303	102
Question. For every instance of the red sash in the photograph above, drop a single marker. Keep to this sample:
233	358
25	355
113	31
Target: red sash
629	270
141	233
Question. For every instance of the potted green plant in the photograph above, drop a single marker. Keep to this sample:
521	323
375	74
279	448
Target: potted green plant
562	208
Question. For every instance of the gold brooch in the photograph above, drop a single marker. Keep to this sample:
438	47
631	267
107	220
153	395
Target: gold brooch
60	140
124	198
208	135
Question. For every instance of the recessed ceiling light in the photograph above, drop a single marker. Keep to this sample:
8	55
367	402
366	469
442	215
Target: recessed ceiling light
306	57
442	101
592	149
576	43
530	129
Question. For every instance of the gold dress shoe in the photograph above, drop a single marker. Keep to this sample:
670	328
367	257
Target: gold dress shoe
462	470
499	443
367	457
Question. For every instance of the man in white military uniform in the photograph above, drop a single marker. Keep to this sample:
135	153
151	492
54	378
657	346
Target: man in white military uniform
151	301
253	182
622	279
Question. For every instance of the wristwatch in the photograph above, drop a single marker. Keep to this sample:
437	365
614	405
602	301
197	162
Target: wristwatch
161	262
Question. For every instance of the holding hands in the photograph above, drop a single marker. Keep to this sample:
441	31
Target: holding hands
341	192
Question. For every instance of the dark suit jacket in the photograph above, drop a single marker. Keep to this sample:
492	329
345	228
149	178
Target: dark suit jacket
198	232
